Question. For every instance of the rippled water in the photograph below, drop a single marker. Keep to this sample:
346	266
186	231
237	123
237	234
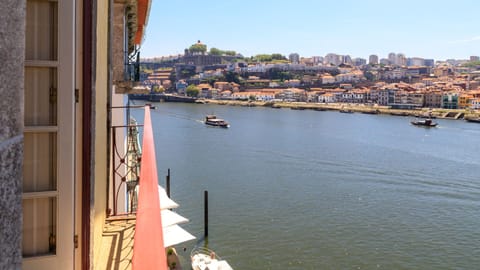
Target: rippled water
324	190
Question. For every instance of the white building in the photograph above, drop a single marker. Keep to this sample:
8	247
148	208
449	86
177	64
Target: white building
326	98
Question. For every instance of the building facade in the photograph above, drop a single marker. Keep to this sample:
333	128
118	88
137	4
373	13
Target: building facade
373	59
71	69
294	58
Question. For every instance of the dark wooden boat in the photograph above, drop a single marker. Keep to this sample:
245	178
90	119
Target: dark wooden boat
426	116
371	112
399	113
426	123
473	120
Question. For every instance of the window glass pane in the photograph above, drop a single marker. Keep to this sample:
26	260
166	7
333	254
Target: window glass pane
40	96
39	170
41	30
39	227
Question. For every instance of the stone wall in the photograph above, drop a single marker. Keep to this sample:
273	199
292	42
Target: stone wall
12	47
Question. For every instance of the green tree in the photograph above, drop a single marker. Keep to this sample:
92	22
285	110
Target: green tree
231	76
369	76
277	56
230	53
213	80
187	73
276	74
192	90
215	51
198	48
263	57
472	64
158	89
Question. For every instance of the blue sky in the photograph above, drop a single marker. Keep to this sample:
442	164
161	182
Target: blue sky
435	29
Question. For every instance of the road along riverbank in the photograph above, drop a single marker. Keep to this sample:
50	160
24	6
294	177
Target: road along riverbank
353	107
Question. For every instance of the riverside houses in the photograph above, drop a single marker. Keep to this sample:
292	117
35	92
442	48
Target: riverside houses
66	67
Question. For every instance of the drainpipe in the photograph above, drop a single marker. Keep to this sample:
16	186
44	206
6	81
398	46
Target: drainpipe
88	77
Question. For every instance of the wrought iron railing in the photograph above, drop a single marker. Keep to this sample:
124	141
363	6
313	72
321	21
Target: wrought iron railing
132	67
126	168
125	158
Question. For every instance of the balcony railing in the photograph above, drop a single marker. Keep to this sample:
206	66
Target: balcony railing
129	82
132	67
126	169
126	158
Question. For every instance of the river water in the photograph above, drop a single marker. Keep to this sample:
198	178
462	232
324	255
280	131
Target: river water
293	189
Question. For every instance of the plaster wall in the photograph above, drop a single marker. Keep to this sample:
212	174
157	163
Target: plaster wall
100	126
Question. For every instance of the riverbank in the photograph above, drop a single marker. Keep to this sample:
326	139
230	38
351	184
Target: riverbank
358	108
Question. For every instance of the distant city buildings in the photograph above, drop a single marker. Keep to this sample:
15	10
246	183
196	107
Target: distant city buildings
429	62
347	60
359	61
317	60
416	61
397	80
294	58
401	60
392	58
333	59
373	59
384	61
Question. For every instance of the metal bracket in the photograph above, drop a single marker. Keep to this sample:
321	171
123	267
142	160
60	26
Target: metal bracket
75	241
77	95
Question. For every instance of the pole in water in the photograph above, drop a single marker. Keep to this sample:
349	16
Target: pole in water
206	212
168	183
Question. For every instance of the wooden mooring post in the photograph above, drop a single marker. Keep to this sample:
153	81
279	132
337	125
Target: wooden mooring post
205	213
168	183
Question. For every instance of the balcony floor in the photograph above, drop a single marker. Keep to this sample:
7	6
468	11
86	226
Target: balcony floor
117	243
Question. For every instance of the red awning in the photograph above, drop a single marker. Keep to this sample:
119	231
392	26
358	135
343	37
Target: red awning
148	248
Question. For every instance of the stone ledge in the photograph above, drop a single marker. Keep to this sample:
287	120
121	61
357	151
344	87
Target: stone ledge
129	87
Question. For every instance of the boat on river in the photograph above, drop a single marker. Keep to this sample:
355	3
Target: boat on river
371	112
204	258
426	115
426	123
473	120
346	111
212	120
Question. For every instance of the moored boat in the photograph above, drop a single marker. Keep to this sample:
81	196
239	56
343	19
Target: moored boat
473	120
371	112
204	258
426	123
212	120
345	111
399	113
426	115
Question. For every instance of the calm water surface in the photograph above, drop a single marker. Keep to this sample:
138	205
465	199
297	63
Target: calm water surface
324	190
